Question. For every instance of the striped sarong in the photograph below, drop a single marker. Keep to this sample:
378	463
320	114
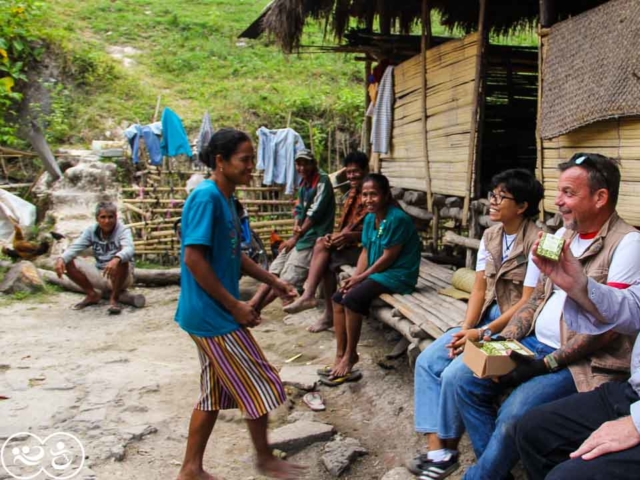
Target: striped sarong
235	374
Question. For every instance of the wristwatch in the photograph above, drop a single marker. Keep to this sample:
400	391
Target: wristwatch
551	363
484	332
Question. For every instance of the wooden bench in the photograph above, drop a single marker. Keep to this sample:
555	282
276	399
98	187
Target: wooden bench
424	314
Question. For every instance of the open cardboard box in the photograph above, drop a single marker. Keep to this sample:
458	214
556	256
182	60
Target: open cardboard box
485	365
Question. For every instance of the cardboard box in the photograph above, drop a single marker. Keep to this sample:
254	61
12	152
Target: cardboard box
485	365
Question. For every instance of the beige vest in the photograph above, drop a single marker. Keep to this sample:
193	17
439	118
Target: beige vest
612	361
505	280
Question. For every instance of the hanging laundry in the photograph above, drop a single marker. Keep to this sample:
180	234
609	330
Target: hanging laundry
276	156
150	137
206	132
383	114
174	138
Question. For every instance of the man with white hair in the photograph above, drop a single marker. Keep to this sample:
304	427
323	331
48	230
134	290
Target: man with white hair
112	245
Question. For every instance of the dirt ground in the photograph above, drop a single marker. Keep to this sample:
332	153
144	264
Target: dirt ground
110	380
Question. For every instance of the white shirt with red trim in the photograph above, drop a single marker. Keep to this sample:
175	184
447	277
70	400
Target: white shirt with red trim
624	271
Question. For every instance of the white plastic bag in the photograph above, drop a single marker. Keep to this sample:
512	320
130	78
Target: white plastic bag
14	210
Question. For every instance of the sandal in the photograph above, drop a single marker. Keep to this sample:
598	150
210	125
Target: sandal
326	371
114	310
335	381
314	401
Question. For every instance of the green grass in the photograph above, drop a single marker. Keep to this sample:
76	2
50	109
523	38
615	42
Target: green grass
193	59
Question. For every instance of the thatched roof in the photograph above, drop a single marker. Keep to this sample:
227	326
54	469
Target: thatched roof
592	68
285	19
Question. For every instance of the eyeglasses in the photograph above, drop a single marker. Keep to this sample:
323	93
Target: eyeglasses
587	161
498	198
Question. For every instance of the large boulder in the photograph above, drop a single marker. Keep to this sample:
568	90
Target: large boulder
22	277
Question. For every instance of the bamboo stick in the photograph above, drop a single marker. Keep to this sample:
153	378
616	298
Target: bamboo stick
424	45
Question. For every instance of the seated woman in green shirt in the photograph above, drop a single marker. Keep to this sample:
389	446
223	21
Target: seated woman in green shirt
389	263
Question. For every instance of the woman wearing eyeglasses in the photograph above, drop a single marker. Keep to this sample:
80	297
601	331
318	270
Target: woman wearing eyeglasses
502	285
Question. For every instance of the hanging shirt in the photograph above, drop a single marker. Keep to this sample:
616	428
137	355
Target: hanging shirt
211	220
277	151
174	138
383	114
396	229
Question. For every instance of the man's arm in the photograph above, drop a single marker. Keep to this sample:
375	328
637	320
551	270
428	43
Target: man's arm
522	321
127	250
252	269
77	247
580	346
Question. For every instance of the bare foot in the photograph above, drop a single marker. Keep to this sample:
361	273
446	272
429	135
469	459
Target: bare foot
199	474
336	363
322	324
301	304
273	467
91	299
345	366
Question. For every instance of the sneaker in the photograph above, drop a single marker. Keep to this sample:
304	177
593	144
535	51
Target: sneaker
418	464
439	470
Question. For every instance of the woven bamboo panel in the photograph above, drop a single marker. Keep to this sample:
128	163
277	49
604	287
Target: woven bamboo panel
450	83
154	203
618	139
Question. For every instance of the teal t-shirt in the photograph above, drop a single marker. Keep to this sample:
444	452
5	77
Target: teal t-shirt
396	229
209	219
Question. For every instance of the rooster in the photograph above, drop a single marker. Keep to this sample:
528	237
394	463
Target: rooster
23	249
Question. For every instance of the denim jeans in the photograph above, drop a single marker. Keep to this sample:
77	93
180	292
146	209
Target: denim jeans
491	429
435	409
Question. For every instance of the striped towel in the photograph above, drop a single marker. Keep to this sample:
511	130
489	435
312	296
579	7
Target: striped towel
383	114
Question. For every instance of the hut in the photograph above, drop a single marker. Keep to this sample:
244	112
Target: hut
591	96
466	108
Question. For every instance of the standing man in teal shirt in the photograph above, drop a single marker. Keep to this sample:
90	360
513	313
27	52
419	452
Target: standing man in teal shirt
234	372
314	216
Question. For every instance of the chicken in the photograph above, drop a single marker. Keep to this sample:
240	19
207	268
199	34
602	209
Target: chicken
23	249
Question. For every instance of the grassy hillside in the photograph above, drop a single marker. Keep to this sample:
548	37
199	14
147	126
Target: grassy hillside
190	55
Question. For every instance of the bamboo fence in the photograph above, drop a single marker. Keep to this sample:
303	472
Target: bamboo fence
153	204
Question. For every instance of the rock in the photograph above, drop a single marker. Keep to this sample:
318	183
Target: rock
415	198
296	436
397	193
340	453
139	432
117	453
398	473
23	277
297	416
111	153
302	377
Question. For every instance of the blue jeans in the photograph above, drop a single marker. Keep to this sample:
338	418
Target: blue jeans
491	429
435	409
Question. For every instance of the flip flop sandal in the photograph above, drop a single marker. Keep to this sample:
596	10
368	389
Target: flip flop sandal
326	371
112	310
313	400
336	381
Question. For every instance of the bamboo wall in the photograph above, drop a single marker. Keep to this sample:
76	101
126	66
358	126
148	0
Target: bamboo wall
618	138
451	69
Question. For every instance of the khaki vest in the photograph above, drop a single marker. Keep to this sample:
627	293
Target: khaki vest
612	361
505	280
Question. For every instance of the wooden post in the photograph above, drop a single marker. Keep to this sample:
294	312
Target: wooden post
313	150
548	13
539	144
157	110
548	16
424	45
477	98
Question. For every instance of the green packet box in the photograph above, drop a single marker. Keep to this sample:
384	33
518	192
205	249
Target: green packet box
489	359
550	247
